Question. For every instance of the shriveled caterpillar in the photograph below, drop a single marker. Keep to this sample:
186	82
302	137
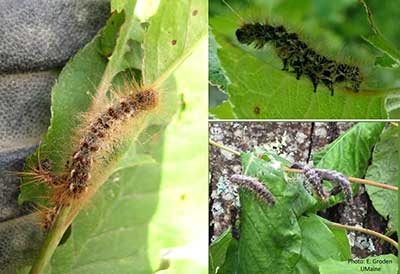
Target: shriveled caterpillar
315	177
256	187
299	56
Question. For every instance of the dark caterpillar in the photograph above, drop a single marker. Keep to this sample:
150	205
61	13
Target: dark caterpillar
297	55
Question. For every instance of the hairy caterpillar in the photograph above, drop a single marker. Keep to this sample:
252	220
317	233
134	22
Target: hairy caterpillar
90	143
315	177
299	56
254	186
96	134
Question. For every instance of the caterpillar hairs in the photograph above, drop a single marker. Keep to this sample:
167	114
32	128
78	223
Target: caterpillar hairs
82	159
315	177
256	187
99	131
299	56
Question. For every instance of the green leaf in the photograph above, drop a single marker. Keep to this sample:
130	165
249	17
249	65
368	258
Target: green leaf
218	250
127	44
313	252
342	241
106	226
222	110
385	61
180	222
350	153
392	105
108	37
177	28
231	259
385	169
383	45
260	89
383	264
216	74
118	5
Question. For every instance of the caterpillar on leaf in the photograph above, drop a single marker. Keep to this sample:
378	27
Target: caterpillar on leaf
298	57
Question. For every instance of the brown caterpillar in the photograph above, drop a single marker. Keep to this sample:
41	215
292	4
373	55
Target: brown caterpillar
90	143
96	134
254	186
296	54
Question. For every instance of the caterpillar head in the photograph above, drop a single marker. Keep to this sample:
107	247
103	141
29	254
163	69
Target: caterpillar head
349	73
354	75
257	32
147	99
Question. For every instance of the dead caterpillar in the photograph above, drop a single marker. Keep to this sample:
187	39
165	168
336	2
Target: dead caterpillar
296	54
343	182
315	177
254	186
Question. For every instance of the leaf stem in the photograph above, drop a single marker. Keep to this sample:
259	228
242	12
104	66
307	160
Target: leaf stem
293	170
221	146
353	180
364	230
53	238
370	17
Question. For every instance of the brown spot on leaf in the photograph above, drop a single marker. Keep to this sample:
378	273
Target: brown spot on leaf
195	12
257	110
173	42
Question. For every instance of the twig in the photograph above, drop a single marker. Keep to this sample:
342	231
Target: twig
353	180
224	147
51	242
370	17
364	230
293	170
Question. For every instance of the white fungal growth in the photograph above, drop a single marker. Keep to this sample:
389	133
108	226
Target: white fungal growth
256	187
